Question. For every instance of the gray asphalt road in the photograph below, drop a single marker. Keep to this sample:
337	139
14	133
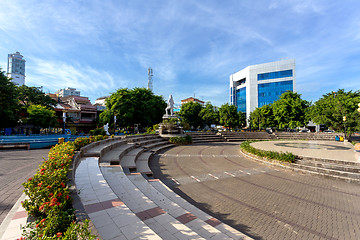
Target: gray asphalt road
261	201
16	166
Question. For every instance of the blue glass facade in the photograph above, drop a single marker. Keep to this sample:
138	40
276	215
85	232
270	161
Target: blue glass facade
274	75
241	99
270	92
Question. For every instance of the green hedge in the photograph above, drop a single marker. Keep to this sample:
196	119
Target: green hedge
181	140
280	156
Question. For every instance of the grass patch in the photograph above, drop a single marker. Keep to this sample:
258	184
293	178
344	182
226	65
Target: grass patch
280	156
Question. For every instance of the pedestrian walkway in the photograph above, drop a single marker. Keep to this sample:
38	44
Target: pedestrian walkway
342	151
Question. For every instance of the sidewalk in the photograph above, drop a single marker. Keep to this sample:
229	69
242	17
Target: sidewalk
10	228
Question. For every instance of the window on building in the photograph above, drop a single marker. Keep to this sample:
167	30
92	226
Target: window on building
274	75
241	99
270	92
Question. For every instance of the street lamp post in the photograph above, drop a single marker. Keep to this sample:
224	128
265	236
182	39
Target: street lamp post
64	121
344	119
114	124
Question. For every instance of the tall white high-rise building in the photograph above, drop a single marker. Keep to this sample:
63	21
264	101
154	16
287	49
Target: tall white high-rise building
16	68
262	84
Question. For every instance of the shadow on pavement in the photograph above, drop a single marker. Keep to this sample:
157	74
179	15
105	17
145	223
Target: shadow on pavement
166	179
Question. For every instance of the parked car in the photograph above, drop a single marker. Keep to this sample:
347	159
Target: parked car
329	131
304	130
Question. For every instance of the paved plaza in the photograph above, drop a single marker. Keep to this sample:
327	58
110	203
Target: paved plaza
16	167
261	201
343	151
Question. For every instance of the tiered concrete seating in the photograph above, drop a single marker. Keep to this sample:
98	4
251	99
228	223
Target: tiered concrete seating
243	136
199	137
111	217
307	136
120	205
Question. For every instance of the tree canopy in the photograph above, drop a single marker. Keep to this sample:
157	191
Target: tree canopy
133	106
34	96
332	107
229	116
8	102
190	113
209	115
41	116
290	111
262	117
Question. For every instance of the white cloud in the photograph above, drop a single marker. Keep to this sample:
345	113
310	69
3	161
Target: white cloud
56	75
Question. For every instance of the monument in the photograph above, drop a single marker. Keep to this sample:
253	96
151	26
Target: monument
170	125
169	110
106	128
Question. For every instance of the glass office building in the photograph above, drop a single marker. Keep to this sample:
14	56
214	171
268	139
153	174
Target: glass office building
16	68
262	84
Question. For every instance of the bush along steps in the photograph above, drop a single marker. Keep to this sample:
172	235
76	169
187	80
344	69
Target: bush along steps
49	202
280	156
181	140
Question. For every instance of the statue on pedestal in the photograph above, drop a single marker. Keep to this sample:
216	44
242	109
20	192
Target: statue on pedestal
170	106
106	128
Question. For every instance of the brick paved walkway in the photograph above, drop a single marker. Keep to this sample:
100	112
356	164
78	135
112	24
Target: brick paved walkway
261	201
16	167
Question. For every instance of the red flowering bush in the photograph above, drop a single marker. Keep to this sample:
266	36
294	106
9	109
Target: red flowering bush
80	142
49	196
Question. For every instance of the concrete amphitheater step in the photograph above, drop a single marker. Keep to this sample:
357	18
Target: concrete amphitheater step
160	221
113	157
190	220
341	175
314	171
110	216
94	149
224	228
331	165
129	159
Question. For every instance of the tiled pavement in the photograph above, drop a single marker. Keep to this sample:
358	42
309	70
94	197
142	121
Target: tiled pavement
16	166
117	215
262	201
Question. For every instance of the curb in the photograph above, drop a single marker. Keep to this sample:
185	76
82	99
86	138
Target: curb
15	217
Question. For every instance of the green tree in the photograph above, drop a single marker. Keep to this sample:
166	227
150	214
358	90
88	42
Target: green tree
41	116
290	110
209	115
332	107
190	113
229	116
133	106
242	119
262	117
8	102
34	96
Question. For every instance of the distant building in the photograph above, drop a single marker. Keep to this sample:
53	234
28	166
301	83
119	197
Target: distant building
262	84
101	101
191	99
64	92
81	114
16	68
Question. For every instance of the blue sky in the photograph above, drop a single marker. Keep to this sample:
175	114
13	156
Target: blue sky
98	46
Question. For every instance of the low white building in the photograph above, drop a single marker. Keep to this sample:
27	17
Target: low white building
64	92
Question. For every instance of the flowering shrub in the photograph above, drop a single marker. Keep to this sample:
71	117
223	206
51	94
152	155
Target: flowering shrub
80	142
49	197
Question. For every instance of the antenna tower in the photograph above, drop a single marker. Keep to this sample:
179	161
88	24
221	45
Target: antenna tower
150	81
